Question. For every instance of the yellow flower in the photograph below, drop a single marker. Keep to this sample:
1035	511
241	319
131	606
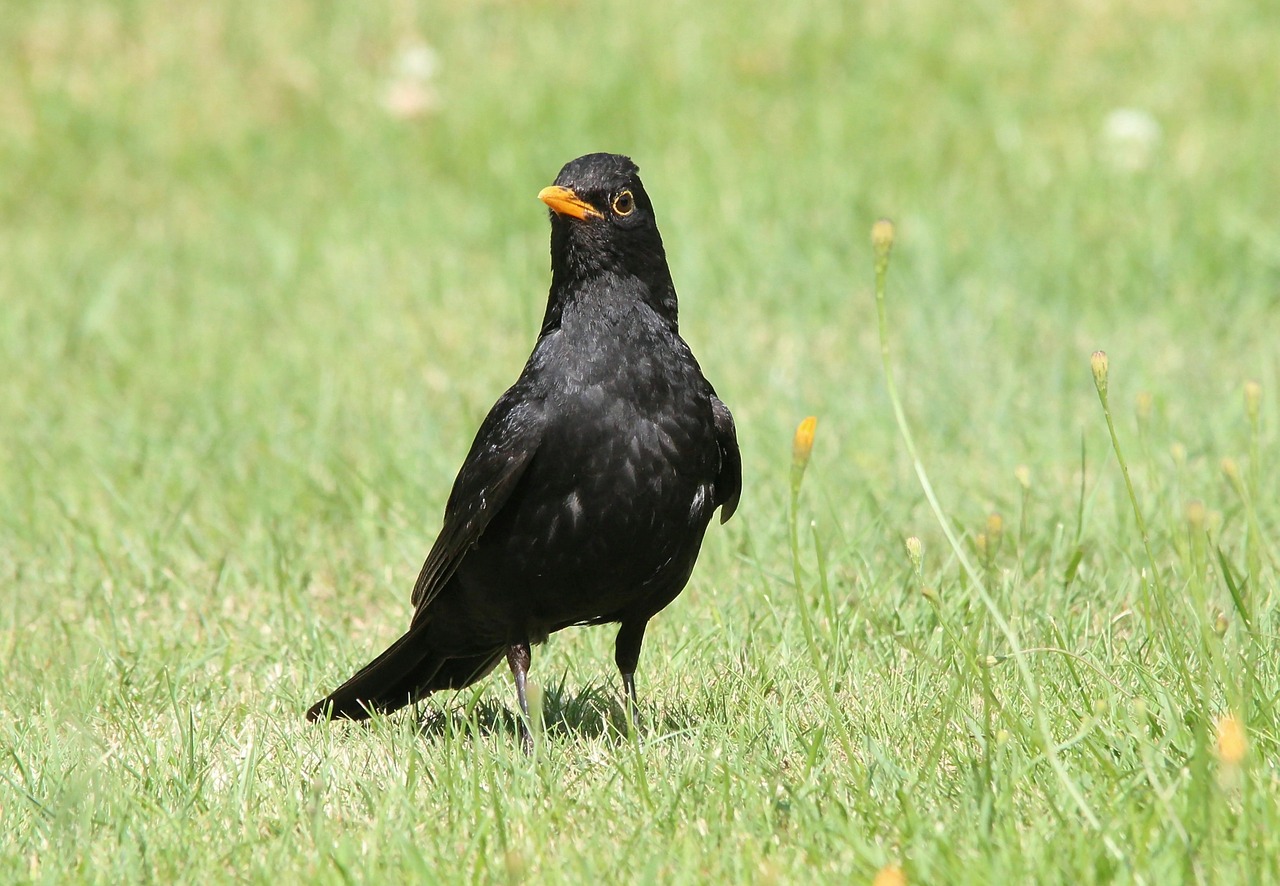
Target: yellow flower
1232	741
1252	399
890	875
1143	403
1196	515
1231	470
802	443
882	236
995	530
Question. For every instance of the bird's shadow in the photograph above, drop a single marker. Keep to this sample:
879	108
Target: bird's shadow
593	711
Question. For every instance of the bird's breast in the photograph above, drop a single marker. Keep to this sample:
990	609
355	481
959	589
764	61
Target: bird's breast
624	474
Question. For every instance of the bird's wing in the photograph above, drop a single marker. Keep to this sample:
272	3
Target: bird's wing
502	449
729	477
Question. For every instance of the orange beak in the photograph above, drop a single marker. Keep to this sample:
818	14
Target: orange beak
565	202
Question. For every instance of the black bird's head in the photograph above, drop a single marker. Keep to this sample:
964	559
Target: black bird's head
603	231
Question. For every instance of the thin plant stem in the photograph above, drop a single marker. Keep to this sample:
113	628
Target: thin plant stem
803	444
882	239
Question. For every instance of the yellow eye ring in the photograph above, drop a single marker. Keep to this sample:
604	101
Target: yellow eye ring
624	203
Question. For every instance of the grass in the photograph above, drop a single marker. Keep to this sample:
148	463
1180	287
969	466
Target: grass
250	316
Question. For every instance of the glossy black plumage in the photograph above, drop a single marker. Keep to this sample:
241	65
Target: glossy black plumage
589	485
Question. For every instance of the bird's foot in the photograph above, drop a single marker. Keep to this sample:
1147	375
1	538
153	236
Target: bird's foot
526	736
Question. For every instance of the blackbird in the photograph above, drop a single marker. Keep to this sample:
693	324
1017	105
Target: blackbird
589	486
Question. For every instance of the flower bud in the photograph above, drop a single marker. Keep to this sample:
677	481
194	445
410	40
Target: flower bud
801	448
1098	363
802	443
1142	403
1220	624
1022	474
882	238
1196	515
915	552
995	531
1252	400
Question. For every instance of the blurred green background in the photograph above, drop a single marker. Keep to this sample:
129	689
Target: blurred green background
264	267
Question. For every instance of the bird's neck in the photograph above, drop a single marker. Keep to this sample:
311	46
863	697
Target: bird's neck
596	293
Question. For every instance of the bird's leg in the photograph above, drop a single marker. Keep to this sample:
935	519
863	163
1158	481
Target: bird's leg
627	656
518	657
633	704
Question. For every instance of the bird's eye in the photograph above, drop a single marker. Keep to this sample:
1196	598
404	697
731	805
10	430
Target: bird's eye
624	203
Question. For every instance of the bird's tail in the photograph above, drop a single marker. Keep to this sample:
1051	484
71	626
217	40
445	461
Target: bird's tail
385	684
404	673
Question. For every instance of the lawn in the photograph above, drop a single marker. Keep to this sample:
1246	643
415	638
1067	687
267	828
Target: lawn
265	266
